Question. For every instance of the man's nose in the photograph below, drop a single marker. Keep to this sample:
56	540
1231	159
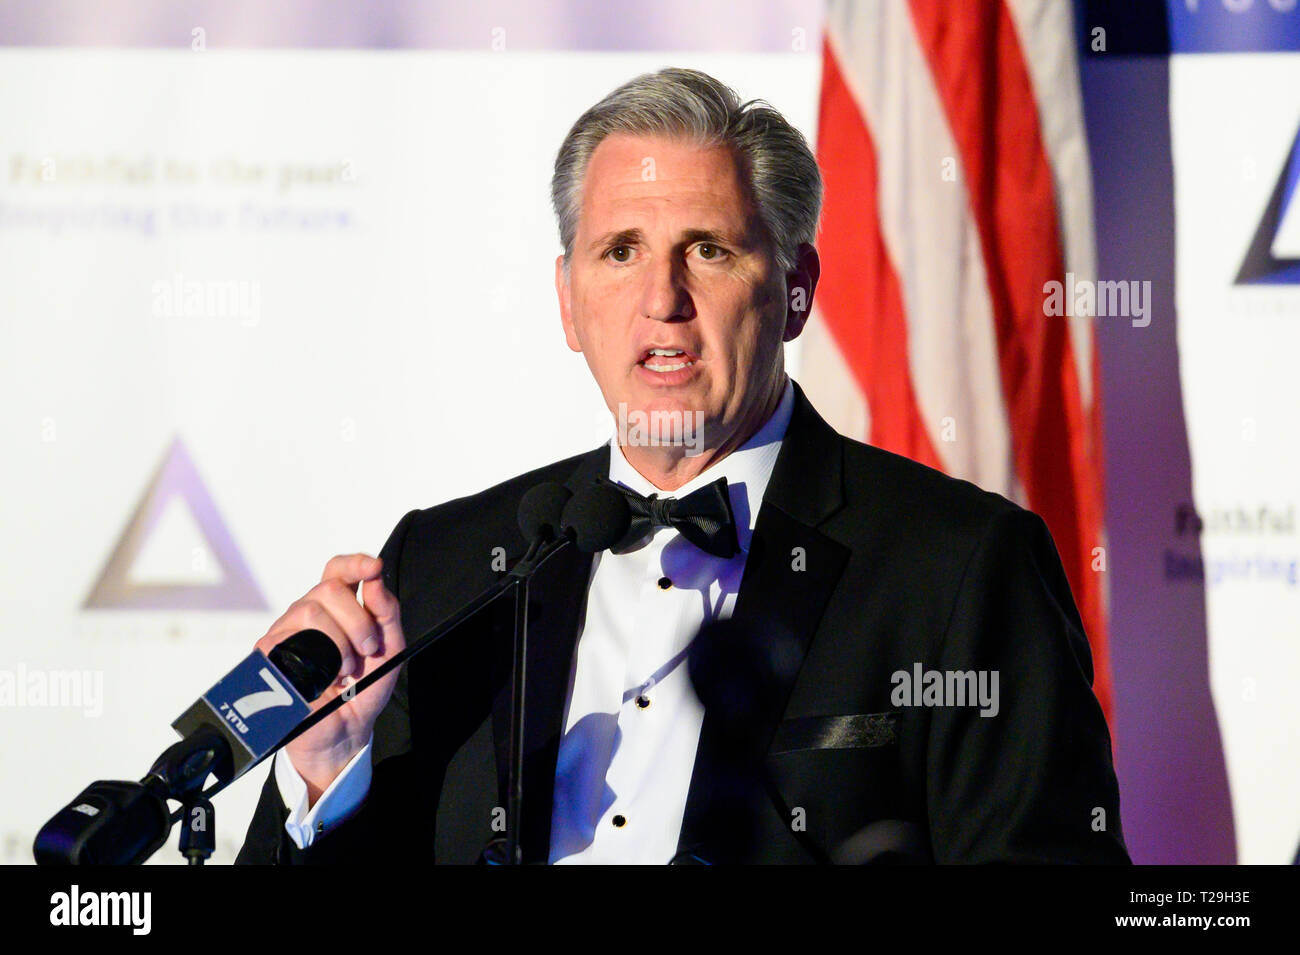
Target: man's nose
665	297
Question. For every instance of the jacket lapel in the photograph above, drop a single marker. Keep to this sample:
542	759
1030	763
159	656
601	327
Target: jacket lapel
790	573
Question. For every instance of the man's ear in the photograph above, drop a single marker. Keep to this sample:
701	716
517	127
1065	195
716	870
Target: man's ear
801	283
562	292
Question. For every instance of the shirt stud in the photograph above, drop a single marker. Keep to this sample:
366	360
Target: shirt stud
664	583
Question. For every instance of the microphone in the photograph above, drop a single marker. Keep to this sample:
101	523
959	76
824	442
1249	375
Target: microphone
550	517
596	518
254	706
232	726
540	512
111	822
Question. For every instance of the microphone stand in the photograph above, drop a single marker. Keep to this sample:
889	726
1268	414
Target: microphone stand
518	687
521	574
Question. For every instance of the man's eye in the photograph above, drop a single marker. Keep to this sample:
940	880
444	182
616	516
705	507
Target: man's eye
710	252
619	253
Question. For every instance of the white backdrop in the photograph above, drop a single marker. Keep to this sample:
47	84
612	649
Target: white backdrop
363	249
1237	347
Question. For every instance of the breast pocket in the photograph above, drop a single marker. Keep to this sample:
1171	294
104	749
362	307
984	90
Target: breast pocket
837	774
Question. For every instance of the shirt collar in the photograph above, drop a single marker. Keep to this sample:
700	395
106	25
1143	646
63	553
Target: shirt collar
748	469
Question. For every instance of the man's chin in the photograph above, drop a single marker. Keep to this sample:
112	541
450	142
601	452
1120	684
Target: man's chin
670	403
660	394
662	417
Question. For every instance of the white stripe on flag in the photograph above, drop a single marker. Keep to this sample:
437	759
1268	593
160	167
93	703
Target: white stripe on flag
932	240
829	383
1046	32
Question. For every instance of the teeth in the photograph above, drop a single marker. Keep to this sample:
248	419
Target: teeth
666	353
675	367
654	353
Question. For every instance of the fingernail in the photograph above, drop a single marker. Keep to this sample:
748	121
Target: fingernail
369	646
349	665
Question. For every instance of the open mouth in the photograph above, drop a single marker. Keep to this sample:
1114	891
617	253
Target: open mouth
666	359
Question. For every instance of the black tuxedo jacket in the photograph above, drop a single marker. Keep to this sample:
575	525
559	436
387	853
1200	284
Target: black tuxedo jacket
900	565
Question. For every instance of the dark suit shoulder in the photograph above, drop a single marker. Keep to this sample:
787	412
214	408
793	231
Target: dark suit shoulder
926	503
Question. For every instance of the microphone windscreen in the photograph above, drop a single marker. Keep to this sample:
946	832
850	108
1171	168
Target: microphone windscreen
541	509
739	672
886	842
309	660
597	517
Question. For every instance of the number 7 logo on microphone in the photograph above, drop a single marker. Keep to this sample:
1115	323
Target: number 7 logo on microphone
277	695
254	706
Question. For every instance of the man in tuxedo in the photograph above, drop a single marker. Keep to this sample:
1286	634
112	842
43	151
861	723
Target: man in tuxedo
931	696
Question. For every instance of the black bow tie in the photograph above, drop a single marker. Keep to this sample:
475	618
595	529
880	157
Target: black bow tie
703	517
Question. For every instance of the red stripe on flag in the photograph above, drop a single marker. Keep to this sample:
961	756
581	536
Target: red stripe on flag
859	295
980	74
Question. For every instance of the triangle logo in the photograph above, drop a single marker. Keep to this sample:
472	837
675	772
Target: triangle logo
217	578
1268	261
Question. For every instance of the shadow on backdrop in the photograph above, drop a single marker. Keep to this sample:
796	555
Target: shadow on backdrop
1169	753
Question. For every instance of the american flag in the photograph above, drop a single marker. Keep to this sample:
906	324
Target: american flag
951	140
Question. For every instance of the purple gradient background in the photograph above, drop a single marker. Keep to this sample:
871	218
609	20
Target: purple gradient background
730	25
1168	754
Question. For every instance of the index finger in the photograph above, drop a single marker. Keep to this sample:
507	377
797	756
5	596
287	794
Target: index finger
352	569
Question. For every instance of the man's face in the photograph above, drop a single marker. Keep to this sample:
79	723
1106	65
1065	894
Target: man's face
670	257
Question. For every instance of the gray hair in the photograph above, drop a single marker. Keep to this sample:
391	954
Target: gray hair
782	171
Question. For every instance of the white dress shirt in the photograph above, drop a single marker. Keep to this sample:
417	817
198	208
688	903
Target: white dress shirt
632	721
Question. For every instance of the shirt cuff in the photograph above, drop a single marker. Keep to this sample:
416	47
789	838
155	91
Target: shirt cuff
339	801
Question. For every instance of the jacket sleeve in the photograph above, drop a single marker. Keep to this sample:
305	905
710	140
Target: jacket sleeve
1032	781
375	831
